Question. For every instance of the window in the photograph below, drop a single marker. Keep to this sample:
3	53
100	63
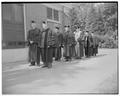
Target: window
52	14
49	13
56	15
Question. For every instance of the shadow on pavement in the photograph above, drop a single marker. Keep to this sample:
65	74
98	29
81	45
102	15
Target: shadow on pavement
94	56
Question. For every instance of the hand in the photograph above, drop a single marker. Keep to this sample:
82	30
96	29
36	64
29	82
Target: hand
31	42
48	46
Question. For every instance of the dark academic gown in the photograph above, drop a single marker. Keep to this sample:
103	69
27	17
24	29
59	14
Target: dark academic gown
95	45
67	45
47	42
59	43
91	45
33	35
73	41
86	45
81	44
54	46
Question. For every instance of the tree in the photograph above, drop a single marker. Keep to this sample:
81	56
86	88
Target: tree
100	18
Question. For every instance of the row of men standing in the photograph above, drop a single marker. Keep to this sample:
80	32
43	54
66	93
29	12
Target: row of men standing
87	43
49	43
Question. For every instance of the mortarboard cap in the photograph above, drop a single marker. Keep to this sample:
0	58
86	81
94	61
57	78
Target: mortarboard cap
44	22
33	21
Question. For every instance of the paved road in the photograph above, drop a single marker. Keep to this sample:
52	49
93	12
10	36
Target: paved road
94	75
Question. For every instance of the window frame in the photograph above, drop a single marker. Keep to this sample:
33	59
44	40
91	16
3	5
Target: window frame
53	20
48	14
54	14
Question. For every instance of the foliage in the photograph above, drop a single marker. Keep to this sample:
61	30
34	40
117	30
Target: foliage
100	18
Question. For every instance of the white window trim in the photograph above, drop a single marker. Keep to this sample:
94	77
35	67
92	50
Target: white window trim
53	21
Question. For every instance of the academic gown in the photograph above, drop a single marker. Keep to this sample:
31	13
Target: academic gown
33	35
47	42
59	43
67	45
81	44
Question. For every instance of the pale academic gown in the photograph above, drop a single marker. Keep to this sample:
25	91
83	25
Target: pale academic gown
77	47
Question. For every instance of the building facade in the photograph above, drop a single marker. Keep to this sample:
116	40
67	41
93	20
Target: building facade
16	20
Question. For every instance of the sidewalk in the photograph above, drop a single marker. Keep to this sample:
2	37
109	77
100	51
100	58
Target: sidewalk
88	75
14	66
24	65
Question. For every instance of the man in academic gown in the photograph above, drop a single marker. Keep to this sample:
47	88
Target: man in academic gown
47	42
86	44
58	43
77	47
95	44
81	43
73	41
33	39
90	44
67	44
